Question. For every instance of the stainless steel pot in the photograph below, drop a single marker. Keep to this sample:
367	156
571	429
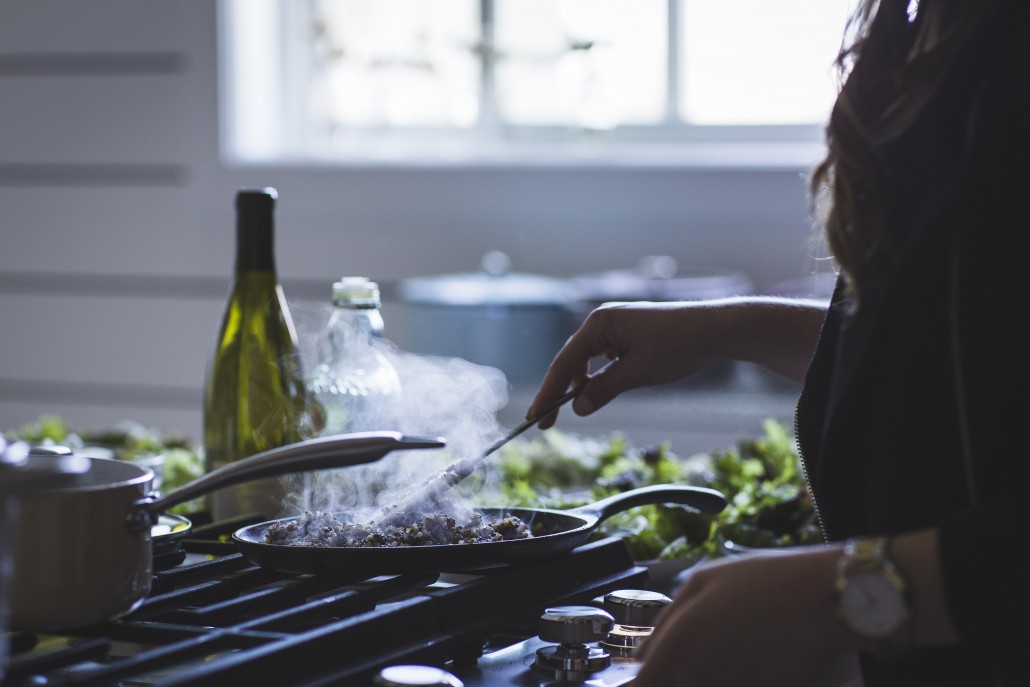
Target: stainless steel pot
18	477
84	554
515	322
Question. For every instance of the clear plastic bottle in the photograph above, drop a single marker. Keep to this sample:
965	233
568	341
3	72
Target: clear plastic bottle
355	383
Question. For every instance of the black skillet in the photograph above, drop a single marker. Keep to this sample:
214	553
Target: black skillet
563	530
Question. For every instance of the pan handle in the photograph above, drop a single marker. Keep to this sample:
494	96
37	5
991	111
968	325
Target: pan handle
322	453
699	499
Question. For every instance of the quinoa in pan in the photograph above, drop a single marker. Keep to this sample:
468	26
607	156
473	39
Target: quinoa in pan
325	529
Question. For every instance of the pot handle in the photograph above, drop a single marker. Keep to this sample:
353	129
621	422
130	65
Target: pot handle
322	453
699	499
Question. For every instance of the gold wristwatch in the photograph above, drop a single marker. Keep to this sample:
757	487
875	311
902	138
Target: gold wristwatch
873	600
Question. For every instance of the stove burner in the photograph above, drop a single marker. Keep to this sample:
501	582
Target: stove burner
635	612
574	627
169	559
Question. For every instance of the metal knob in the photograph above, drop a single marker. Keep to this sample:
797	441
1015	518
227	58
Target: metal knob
635	612
574	627
636	607
415	675
575	624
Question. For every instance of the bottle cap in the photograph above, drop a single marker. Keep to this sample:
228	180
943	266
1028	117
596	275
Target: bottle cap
251	196
359	292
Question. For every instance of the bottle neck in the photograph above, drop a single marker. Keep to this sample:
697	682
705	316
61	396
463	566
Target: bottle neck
254	233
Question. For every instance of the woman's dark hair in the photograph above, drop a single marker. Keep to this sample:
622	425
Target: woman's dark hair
892	62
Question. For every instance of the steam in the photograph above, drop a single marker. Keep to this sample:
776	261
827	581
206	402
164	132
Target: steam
440	397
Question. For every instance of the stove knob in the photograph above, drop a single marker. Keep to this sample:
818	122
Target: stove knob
635	611
575	624
635	607
416	676
576	656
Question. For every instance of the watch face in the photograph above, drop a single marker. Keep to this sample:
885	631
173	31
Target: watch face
872	604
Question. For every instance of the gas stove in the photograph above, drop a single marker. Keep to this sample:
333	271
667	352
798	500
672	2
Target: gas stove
214	618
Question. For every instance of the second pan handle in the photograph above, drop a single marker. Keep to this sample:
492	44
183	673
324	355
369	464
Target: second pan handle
323	453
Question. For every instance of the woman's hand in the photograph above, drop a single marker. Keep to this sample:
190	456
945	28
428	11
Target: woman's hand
648	344
762	619
659	343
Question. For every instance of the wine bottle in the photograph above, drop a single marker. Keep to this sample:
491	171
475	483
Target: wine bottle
254	396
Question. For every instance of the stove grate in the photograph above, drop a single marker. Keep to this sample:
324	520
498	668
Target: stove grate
226	621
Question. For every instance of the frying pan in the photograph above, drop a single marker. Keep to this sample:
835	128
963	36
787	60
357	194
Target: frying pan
560	532
83	554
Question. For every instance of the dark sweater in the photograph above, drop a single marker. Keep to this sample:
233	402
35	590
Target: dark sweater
916	408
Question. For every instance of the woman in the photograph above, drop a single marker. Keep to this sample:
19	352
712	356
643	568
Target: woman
916	380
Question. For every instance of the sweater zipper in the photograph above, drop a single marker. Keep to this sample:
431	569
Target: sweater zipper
804	472
965	437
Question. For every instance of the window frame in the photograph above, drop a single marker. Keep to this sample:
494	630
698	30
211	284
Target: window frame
490	143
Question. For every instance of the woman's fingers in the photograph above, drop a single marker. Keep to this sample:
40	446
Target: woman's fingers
602	387
568	369
611	331
560	376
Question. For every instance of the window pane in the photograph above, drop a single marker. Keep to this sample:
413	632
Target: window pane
396	63
759	61
584	63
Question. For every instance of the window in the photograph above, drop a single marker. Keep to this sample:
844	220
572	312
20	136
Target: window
412	81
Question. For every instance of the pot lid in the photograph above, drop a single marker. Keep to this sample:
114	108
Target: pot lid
659	278
24	469
494	284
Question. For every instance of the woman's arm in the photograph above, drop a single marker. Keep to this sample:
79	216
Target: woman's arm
769	618
779	334
658	343
917	556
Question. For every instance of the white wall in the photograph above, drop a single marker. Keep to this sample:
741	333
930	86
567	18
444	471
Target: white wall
116	215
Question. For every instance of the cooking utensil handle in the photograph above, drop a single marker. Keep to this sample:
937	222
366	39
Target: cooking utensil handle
323	453
700	499
460	469
529	422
